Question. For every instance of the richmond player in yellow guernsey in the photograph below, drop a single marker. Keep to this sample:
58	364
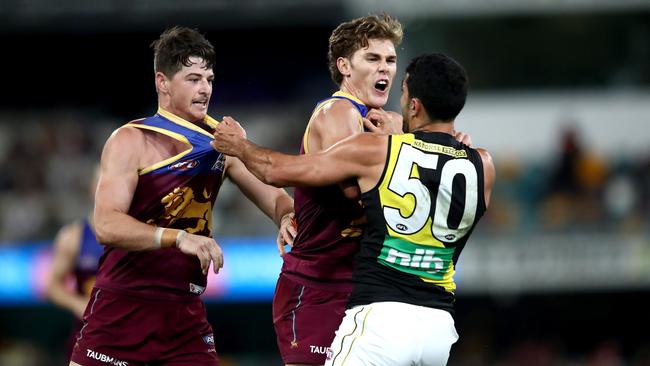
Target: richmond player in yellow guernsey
423	193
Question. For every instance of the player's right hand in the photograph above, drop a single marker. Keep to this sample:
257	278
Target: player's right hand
383	122
288	231
206	249
228	136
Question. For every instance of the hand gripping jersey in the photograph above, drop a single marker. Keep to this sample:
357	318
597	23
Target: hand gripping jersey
329	226
177	193
420	215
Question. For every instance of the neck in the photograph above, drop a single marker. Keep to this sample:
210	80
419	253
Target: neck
432	126
346	88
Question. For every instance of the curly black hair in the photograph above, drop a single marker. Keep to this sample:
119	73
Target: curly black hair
440	83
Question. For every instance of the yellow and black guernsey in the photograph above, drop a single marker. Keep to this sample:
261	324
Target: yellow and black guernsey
420	215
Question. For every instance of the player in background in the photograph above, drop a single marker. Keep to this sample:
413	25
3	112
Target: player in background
75	255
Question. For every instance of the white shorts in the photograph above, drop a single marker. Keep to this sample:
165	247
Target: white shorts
393	334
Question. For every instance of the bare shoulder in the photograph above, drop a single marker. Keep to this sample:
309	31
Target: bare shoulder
127	135
126	140
338	117
337	109
486	157
124	152
489	171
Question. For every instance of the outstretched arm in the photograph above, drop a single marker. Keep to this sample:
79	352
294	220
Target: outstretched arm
358	156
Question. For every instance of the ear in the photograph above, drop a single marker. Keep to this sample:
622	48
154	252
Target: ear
343	64
415	106
162	83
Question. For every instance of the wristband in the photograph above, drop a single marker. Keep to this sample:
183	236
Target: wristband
179	237
158	237
168	238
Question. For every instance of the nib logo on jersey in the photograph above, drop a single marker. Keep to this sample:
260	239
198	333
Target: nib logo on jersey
104	358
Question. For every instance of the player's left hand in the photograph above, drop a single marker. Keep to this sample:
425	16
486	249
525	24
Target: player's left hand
288	231
384	122
463	138
228	136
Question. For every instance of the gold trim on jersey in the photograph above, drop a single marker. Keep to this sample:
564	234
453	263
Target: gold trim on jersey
180	121
348	95
305	137
175	135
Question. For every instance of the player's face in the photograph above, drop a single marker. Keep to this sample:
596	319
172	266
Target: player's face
190	90
372	70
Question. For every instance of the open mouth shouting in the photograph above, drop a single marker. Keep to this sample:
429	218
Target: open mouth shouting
381	85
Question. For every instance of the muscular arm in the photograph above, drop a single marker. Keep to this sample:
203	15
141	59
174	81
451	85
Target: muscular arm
331	124
489	174
114	227
64	254
115	189
361	156
274	202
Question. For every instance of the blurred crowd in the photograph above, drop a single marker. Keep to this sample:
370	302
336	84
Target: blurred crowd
576	190
47	160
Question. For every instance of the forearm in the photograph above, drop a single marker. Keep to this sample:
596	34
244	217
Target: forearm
283	170
122	231
283	206
258	161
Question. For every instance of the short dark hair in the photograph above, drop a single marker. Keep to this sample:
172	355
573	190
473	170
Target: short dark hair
440	83
351	36
173	49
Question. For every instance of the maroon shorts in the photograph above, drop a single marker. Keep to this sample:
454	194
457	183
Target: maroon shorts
305	319
125	331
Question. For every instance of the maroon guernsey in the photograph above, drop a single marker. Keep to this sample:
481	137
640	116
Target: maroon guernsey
330	227
178	193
